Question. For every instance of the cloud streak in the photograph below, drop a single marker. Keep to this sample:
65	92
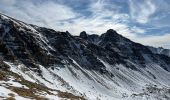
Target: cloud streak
142	11
157	41
44	14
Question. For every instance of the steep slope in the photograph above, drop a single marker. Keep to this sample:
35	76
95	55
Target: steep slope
60	65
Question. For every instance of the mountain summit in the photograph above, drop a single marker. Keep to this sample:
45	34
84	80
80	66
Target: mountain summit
41	63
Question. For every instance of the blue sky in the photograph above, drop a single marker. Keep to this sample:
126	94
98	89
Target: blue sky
143	21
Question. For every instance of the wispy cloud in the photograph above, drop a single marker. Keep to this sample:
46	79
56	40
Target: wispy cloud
137	30
44	14
141	11
157	41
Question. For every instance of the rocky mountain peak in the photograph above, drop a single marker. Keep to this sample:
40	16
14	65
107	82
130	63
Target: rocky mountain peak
111	33
111	36
83	35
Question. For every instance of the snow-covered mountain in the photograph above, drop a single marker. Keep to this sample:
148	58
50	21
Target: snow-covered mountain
44	64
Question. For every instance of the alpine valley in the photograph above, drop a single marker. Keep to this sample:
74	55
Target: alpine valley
38	63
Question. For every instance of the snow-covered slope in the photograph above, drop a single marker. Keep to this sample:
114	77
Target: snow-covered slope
41	63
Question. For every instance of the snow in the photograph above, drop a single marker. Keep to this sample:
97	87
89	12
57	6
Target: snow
50	77
83	84
50	97
162	76
4	93
12	82
129	81
93	85
18	70
33	78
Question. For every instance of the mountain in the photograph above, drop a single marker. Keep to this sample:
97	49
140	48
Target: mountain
44	64
160	50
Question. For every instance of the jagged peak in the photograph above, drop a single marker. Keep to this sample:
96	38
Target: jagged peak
66	34
83	35
111	33
112	36
111	30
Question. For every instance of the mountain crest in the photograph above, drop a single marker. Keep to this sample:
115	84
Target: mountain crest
83	35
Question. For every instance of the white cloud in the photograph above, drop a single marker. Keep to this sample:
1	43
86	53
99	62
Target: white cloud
138	30
157	41
43	14
142	11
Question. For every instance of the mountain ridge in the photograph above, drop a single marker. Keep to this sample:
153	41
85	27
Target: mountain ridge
90	67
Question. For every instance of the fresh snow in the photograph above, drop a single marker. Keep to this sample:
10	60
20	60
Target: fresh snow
12	82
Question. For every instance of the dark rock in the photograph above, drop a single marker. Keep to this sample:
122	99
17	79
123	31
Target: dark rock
83	35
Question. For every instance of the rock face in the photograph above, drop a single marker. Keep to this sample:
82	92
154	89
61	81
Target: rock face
109	62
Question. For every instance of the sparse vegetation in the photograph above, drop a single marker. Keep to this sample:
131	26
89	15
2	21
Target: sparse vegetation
155	91
69	96
10	98
2	75
33	88
29	93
